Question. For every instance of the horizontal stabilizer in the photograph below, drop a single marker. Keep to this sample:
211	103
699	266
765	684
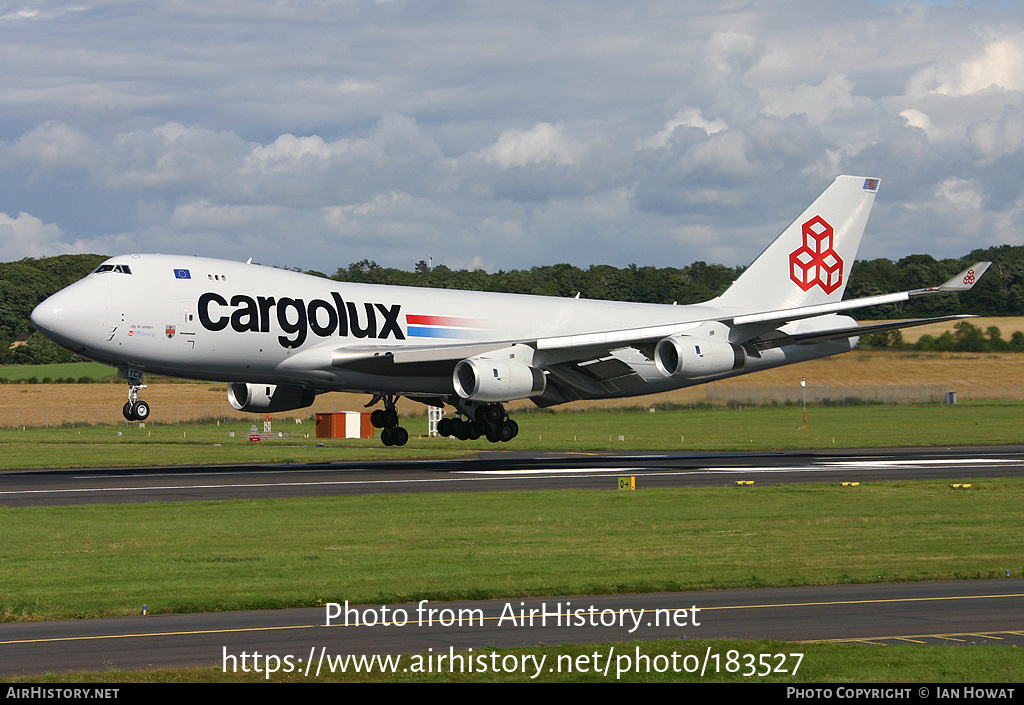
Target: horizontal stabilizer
852	331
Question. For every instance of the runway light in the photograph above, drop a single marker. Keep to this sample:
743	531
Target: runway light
145	609
960	486
744	483
849	484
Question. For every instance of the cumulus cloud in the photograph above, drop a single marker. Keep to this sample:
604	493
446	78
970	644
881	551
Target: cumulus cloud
286	150
56	146
515	135
915	118
688	117
544	142
818	103
27	236
1000	66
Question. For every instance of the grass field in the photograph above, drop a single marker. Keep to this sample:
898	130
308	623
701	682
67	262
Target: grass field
92	560
74	370
973	376
107	560
83	561
698	429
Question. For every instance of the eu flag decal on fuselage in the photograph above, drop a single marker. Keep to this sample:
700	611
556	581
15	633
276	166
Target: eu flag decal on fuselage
182	274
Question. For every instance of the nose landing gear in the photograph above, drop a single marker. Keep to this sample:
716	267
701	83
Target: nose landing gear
134	409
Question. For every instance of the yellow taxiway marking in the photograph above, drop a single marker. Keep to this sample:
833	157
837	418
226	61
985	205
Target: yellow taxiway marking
233	630
909	637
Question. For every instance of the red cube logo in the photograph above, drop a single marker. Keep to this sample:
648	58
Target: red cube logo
815	262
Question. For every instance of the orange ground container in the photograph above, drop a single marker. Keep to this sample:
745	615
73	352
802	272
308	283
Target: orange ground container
344	424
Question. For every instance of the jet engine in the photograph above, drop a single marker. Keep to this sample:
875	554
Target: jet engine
691	357
265	398
484	379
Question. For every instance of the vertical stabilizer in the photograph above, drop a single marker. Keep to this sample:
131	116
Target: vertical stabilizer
809	263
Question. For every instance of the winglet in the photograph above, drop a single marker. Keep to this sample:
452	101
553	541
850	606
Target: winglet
966	279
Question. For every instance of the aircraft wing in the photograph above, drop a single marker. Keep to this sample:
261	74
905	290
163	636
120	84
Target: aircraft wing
587	350
641	337
373	358
963	281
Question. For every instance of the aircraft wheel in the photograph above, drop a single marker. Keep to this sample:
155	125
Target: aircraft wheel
399	436
506	431
129	414
493	413
377	418
141	410
444	427
514	426
390	418
459	429
387	437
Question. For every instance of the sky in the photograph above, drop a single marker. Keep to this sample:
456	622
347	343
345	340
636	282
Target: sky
495	135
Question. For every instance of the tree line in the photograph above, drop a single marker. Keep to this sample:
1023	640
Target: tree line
23	284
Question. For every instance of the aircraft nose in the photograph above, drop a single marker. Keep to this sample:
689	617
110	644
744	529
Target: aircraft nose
47	316
67	317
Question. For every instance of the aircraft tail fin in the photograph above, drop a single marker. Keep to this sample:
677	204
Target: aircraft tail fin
809	263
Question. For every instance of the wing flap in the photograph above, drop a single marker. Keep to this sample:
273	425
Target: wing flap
363	355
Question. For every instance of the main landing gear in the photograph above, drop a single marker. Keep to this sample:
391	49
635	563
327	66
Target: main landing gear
386	419
491	421
135	409
472	422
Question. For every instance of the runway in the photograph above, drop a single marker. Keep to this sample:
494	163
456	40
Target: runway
948	613
499	471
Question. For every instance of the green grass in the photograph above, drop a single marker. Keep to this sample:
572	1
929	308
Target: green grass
82	561
754	429
107	560
777	427
76	370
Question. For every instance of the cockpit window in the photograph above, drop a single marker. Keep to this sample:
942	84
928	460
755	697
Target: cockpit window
120	268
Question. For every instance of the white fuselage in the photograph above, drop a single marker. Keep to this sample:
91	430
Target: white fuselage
227	321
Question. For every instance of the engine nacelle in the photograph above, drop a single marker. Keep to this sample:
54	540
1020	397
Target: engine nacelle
691	357
483	379
265	398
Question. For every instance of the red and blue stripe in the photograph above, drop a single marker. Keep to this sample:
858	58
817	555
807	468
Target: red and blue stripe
452	327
